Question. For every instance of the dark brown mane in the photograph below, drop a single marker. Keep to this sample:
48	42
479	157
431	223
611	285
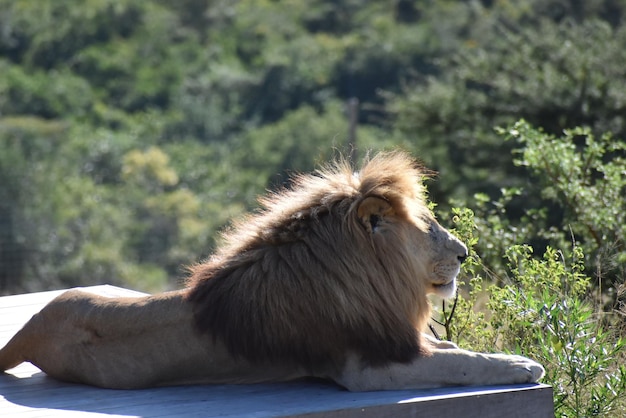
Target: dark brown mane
303	281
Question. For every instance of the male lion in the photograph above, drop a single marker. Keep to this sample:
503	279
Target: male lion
330	279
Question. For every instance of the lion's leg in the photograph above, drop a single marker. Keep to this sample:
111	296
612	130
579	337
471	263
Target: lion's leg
28	342
41	340
436	343
107	342
12	354
449	367
110	342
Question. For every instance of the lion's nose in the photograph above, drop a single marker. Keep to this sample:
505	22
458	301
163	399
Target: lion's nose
455	245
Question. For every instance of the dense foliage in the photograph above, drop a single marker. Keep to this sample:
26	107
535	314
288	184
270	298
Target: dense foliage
545	301
132	131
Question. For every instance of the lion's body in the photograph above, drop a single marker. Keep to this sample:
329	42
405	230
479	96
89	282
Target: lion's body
329	280
130	343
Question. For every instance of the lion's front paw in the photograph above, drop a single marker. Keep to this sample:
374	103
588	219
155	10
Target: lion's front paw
536	370
522	370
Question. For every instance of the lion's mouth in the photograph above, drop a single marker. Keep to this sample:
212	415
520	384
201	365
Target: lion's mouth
445	290
443	278
445	285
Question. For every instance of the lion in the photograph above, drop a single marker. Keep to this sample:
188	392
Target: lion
328	279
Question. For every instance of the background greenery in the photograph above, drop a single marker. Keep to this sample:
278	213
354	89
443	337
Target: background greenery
132	131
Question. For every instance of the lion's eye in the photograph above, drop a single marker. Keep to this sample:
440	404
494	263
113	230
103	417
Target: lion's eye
374	220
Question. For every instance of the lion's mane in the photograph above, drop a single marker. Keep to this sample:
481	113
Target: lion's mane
303	281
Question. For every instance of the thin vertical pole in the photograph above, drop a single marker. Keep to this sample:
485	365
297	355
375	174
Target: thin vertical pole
353	114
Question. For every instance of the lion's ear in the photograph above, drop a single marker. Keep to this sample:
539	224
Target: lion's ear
372	210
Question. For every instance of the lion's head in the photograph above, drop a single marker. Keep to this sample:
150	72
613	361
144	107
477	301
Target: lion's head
340	262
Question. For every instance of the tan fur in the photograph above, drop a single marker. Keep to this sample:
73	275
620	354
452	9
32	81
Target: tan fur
329	279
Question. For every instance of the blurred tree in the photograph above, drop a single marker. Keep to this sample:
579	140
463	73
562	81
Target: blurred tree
47	95
550	74
105	100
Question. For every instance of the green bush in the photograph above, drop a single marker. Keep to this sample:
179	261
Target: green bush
544	309
584	176
559	307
